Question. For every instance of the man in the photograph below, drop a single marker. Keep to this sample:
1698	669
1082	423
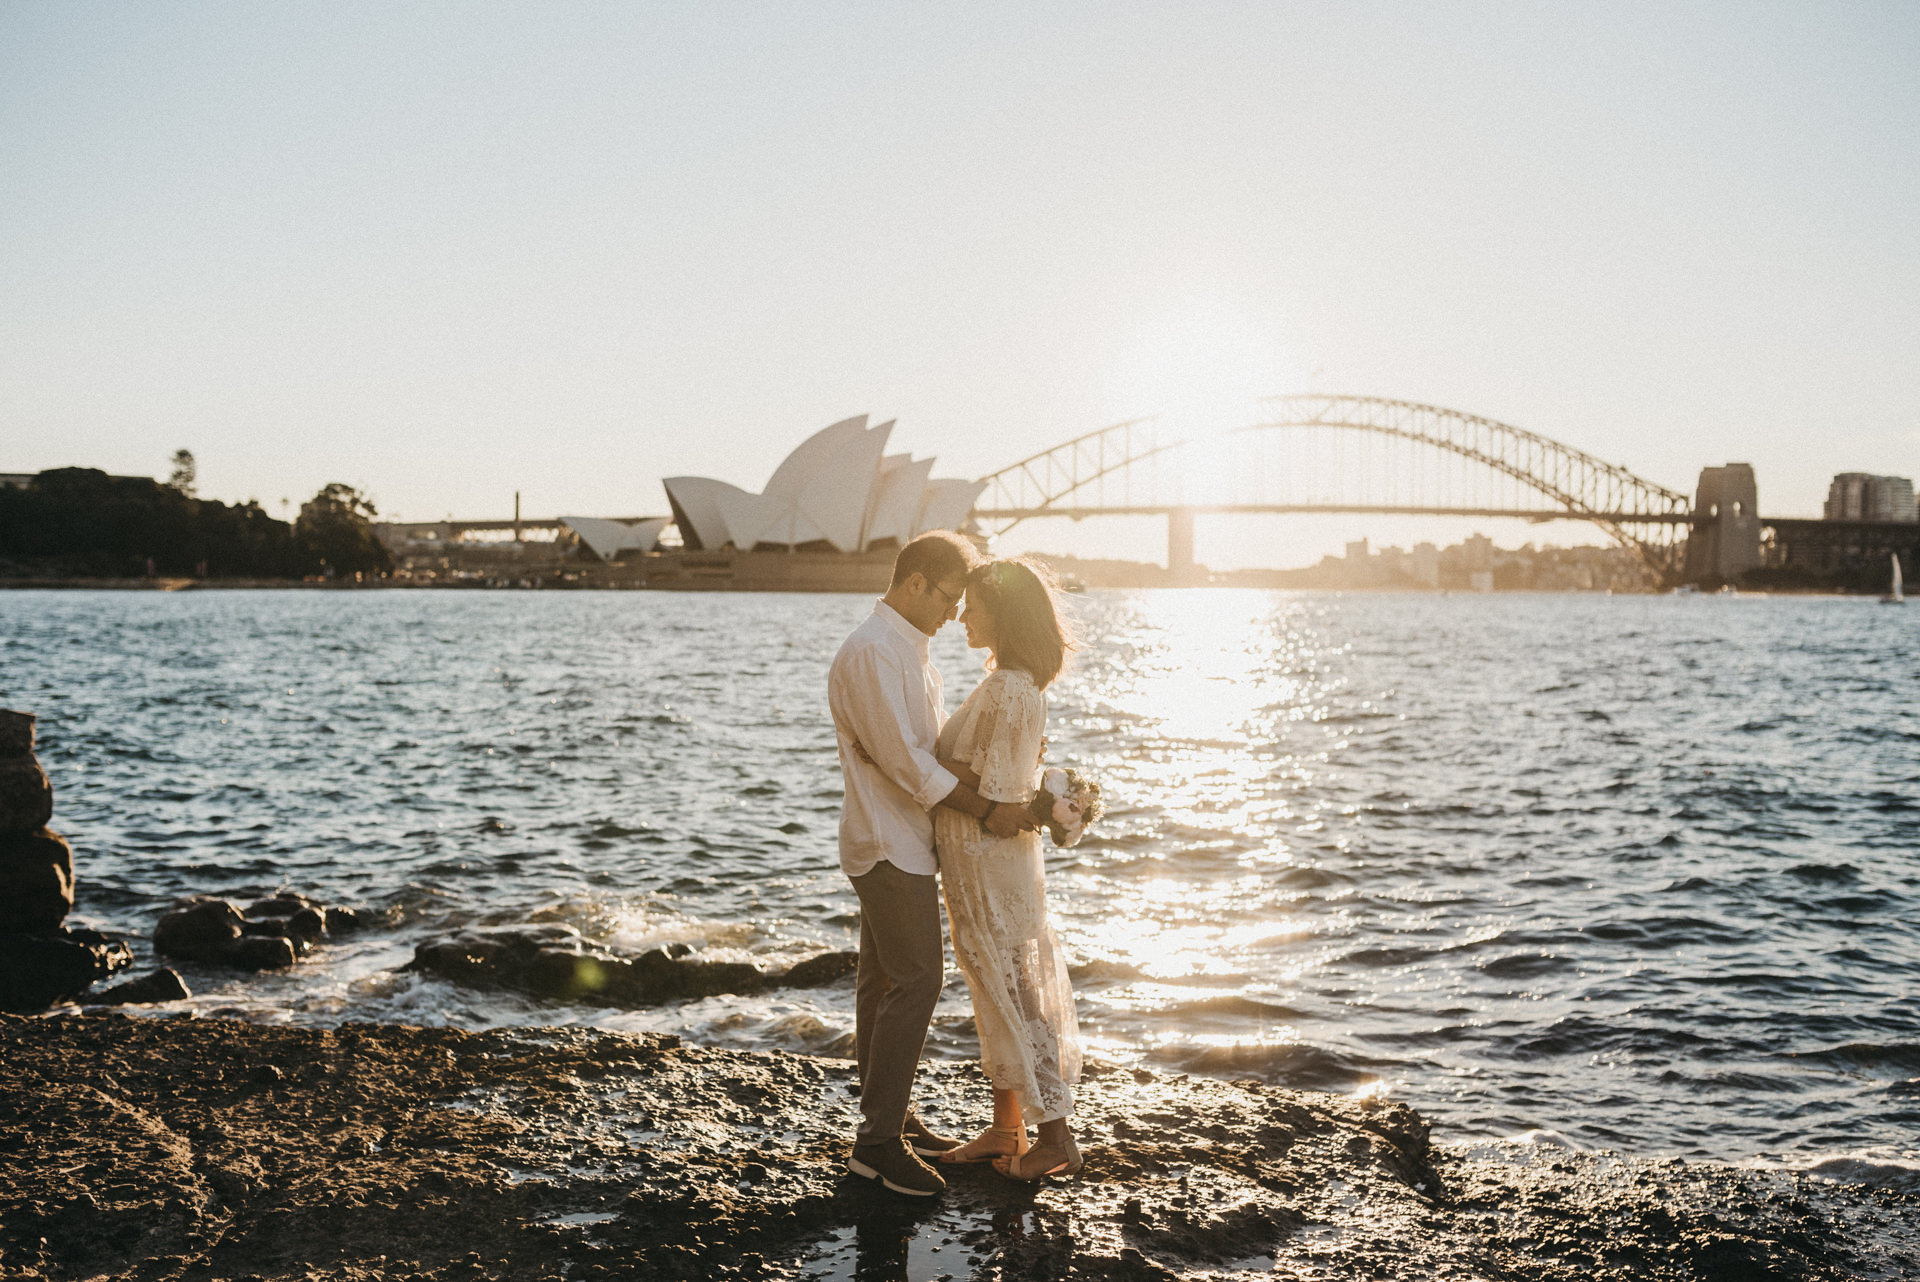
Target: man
887	709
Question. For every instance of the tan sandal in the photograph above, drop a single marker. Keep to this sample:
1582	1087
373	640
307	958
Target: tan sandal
1017	1135
1053	1159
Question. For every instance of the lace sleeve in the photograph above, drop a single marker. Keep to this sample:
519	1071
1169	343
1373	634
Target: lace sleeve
1007	748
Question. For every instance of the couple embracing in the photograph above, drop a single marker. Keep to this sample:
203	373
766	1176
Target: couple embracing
934	803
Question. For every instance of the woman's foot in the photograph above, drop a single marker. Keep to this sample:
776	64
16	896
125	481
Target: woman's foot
1040	1161
992	1143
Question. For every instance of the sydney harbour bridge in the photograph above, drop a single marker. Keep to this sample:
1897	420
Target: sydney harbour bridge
1348	454
1318	453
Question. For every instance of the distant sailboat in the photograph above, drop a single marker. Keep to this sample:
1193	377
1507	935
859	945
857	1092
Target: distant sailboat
1897	596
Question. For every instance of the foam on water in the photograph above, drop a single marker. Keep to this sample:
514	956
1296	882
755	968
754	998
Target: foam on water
1637	871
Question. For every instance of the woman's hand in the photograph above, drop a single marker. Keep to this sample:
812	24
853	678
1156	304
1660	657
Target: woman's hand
1009	819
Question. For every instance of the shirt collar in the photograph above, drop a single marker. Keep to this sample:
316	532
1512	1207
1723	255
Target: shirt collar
897	621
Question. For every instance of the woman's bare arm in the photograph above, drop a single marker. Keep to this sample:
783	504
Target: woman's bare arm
961	771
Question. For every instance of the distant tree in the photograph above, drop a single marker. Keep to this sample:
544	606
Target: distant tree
81	522
336	526
184	474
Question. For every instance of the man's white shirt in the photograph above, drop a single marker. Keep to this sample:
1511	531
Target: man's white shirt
885	694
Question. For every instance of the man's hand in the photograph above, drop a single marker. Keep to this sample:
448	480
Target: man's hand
1009	819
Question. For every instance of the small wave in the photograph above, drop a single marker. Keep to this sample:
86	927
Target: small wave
1863	1168
1666	932
1527	1148
1295	1064
1524	965
1824	872
1231	1004
1901	1057
1105	969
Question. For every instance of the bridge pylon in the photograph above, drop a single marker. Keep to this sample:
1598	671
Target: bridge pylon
1181	567
1725	540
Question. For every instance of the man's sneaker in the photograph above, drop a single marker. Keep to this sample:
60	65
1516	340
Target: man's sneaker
895	1166
925	1142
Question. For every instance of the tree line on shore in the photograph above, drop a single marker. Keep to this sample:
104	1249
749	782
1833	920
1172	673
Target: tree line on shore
79	522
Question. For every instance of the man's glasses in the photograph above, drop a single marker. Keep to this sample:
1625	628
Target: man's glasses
951	597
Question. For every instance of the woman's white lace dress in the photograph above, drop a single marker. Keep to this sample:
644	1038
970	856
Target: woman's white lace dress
997	903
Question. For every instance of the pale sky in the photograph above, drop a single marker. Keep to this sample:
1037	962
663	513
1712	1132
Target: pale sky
444	252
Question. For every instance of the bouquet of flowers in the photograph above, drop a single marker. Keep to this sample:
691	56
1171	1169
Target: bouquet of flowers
1066	805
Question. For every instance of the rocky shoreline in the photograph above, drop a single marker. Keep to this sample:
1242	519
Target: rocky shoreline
175	1148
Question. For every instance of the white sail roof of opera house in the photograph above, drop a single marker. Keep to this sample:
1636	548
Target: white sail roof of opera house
607	538
840	488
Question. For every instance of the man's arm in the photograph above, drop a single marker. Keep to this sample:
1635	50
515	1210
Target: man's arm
1003	818
966	797
869	701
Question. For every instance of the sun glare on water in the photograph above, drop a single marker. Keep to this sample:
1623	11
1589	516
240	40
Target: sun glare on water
1220	693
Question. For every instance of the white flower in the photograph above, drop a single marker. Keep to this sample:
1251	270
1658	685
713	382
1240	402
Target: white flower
1054	780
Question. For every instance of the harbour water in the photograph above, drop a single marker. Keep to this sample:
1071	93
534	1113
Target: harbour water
1618	872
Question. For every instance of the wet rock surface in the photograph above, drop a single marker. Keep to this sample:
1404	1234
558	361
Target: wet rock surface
41	962
213	1149
26	795
163	985
271	934
555	963
39	970
36	880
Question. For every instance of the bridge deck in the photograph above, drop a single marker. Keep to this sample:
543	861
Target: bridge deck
1294	509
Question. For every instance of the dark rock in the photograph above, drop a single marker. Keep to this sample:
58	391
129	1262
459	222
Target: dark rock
162	985
341	921
301	917
554	962
309	924
38	970
26	795
260	952
16	733
198	929
823	968
300	937
284	903
36	881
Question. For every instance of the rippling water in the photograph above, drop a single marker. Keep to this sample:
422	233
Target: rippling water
1642	872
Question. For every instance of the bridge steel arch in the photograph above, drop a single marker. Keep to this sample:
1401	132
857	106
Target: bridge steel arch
1638	514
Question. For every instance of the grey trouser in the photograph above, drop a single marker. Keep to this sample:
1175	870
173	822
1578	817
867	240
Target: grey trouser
901	964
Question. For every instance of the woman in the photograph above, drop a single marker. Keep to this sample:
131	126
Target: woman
996	888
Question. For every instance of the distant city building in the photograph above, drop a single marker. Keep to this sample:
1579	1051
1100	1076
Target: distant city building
1478	550
1861	496
16	480
839	489
1424	564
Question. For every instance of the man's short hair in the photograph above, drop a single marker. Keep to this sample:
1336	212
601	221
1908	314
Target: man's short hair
937	554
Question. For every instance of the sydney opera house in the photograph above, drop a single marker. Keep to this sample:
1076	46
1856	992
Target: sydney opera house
840	497
839	491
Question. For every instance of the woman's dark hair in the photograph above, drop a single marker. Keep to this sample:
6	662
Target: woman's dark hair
1030	632
937	554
